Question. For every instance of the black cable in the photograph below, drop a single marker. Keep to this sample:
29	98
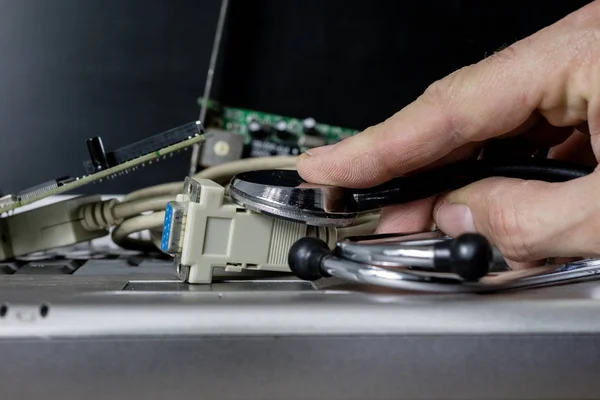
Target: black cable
454	176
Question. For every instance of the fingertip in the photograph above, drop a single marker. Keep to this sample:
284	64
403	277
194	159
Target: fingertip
454	219
302	159
311	167
349	163
314	167
317	151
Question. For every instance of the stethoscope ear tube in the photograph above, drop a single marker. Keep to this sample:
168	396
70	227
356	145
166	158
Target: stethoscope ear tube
310	259
469	256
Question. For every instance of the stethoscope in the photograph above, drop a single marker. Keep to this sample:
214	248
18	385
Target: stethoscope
423	261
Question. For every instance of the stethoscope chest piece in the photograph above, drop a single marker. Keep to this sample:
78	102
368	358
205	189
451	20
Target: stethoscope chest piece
283	194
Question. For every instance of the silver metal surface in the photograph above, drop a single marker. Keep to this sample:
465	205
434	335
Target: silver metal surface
283	194
344	367
153	302
182	271
192	188
149	309
144	335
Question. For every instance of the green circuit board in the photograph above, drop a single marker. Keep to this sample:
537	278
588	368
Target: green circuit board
238	120
278	135
148	151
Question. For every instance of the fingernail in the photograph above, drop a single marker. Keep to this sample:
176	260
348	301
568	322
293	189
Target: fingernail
319	150
454	219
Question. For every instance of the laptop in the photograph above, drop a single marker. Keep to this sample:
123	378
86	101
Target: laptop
94	321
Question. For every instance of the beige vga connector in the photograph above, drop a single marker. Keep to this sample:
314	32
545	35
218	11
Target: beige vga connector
203	229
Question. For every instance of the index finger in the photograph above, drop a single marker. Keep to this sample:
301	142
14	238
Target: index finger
494	97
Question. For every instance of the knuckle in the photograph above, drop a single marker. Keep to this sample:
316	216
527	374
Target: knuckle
505	53
444	96
508	229
584	51
585	15
442	92
574	56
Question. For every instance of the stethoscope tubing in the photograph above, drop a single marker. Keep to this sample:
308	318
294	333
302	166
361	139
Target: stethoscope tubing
355	272
454	176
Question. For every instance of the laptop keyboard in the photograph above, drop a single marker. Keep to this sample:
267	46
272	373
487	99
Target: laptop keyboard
85	260
49	267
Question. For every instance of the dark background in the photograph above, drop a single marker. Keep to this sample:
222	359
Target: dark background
71	69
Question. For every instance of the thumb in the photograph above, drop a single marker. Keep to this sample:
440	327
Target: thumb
527	220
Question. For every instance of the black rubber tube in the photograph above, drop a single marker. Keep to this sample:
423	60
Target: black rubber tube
454	176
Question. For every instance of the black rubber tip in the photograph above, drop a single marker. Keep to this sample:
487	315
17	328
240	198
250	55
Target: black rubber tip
305	258
469	256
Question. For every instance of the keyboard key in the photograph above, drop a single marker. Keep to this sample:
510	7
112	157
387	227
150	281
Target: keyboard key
47	267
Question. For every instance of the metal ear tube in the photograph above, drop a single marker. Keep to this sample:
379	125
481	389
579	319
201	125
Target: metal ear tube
425	262
469	256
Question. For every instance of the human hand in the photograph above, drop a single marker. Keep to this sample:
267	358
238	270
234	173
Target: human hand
541	92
